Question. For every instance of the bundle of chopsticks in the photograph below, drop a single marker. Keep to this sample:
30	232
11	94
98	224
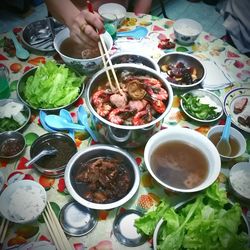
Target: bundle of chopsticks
3	230
57	234
104	52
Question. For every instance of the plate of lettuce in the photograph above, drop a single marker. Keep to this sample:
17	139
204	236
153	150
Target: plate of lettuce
209	221
50	86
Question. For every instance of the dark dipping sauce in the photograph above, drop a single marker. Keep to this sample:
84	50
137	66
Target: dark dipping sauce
103	180
10	147
235	146
179	164
61	158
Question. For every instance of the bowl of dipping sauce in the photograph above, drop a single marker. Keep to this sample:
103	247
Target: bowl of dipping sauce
53	165
12	145
182	160
236	140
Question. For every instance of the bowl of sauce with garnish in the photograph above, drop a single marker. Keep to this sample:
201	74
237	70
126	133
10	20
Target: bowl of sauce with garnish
12	145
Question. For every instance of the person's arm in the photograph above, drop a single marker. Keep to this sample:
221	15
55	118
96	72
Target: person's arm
82	24
142	6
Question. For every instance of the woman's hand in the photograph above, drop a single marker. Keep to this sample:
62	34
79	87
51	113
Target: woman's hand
84	29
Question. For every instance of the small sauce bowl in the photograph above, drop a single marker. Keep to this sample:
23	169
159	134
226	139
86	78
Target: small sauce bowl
12	145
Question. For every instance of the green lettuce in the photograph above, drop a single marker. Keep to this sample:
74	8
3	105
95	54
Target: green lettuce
52	86
208	222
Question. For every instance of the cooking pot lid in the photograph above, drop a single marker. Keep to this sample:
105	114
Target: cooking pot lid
76	219
125	231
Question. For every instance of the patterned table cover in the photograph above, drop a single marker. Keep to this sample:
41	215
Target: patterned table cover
206	47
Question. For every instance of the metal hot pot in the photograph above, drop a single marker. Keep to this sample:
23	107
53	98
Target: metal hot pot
125	136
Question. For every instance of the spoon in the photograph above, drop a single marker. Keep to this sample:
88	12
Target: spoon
42	116
48	151
223	146
137	33
60	123
21	53
83	120
67	116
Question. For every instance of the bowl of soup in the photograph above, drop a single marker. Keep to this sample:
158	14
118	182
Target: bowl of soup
182	160
84	61
236	139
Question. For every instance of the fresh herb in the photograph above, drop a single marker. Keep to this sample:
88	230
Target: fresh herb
194	107
209	222
52	86
8	124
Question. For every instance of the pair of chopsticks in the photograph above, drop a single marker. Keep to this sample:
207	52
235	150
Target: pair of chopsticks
55	229
101	46
3	230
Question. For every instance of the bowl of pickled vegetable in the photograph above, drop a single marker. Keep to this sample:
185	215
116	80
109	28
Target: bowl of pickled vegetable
14	115
202	105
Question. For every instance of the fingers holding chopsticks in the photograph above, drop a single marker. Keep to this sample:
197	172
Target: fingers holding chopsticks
83	29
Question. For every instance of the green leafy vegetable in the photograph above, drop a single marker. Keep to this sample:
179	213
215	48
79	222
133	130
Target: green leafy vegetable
52	86
208	222
197	109
8	124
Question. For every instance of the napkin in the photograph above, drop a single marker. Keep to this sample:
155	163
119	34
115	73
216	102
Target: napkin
216	77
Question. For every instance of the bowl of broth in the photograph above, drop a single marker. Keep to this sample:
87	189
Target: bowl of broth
80	59
182	160
236	140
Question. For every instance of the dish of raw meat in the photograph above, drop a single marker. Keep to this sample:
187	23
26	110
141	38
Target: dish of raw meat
237	104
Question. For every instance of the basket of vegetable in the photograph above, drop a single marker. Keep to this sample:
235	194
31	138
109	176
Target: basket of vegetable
14	115
50	87
202	105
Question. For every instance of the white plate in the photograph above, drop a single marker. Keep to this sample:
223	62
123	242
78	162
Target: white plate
229	101
203	93
1	181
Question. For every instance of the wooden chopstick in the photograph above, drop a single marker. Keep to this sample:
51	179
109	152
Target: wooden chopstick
105	66
56	229
3	229
110	63
90	9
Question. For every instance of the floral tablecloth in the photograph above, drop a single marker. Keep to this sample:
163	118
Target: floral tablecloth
207	47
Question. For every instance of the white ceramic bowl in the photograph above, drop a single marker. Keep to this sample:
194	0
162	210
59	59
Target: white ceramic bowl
233	133
113	8
194	139
186	30
23	201
83	66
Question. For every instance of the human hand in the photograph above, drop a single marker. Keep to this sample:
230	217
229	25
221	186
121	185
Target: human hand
84	29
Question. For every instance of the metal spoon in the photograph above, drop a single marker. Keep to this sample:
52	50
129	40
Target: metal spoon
60	123
223	146
21	53
67	116
48	151
83	119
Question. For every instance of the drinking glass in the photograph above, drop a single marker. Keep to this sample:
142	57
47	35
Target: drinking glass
4	82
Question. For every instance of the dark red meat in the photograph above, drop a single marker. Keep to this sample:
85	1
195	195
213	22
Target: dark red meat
240	105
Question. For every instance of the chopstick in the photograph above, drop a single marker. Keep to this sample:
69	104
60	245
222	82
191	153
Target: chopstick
55	229
3	229
101	47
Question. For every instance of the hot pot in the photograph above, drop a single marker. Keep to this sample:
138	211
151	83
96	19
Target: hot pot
125	136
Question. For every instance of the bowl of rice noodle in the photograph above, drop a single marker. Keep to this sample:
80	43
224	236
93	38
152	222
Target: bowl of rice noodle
82	60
